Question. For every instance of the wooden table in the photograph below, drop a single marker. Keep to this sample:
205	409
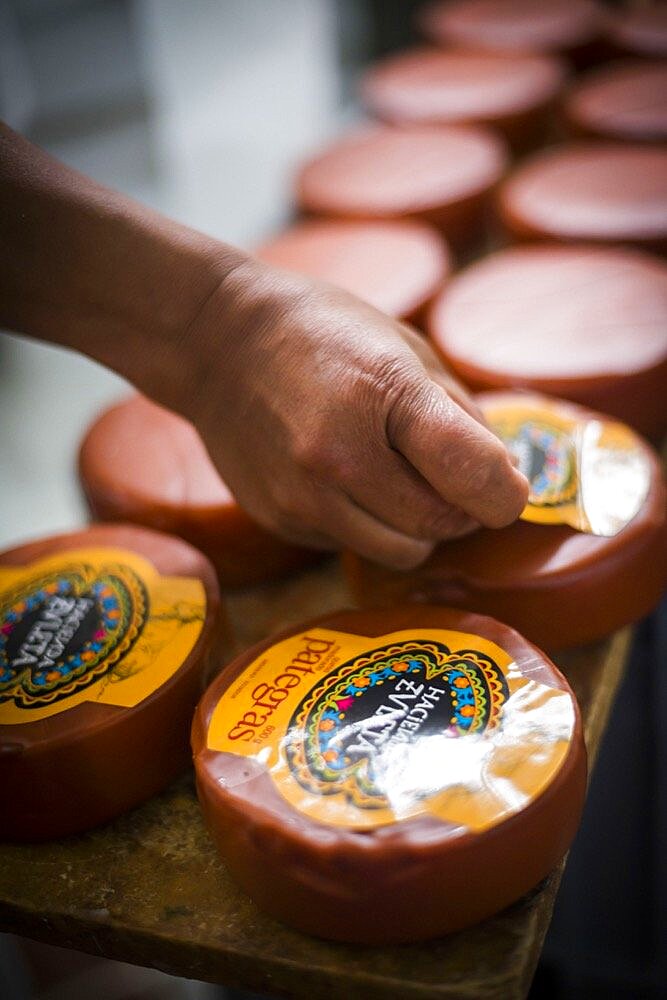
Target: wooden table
150	888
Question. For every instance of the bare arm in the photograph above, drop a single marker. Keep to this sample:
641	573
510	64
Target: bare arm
331	423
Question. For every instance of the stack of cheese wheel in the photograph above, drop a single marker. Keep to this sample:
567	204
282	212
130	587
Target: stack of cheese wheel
590	552
141	463
436	174
389	776
590	192
398	267
638	30
626	101
570	27
107	640
514	93
583	323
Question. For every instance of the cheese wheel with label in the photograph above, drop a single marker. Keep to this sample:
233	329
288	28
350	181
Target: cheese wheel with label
107	638
443	175
398	267
388	776
141	463
514	94
589	553
583	323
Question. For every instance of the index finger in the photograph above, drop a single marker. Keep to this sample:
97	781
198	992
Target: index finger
463	460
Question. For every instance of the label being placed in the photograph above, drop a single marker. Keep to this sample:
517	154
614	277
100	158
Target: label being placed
93	624
591	474
360	732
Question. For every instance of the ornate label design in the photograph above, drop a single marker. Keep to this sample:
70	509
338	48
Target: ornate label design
80	626
343	730
360	732
590	474
547	457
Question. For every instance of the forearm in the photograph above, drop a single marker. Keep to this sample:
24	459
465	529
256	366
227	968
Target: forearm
87	268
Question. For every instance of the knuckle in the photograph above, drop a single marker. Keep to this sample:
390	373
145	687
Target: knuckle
324	460
474	475
312	452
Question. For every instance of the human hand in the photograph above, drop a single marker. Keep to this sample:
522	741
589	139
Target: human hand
335	426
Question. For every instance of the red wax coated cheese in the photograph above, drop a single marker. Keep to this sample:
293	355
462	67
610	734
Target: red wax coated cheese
141	463
627	101
585	324
639	30
390	776
603	192
395	266
568	26
107	638
552	578
513	93
442	175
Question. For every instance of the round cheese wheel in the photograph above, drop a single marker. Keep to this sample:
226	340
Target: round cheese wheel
514	25
107	638
443	175
395	266
627	101
639	30
389	776
559	584
585	324
141	463
605	192
513	93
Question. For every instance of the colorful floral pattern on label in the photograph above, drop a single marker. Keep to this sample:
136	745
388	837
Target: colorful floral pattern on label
590	474
362	732
96	624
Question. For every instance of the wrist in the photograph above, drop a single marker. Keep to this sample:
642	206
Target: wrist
166	356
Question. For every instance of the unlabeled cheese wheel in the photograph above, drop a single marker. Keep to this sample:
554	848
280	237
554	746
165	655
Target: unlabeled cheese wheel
141	463
443	175
568	26
395	266
513	93
389	776
107	638
603	192
585	324
627	101
639	30
559	584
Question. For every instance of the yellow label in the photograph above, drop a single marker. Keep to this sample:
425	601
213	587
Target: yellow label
360	732
91	624
590	474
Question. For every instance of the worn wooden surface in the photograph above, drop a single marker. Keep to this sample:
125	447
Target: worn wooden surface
150	888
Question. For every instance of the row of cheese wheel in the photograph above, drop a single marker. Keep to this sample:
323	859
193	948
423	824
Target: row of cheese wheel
370	776
418	762
581	29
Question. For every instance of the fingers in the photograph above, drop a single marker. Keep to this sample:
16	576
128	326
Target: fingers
389	488
463	461
324	517
360	531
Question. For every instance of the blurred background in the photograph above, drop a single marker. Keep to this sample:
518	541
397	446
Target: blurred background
203	109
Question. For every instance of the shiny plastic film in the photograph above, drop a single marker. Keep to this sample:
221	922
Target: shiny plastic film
361	732
590	474
91	625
